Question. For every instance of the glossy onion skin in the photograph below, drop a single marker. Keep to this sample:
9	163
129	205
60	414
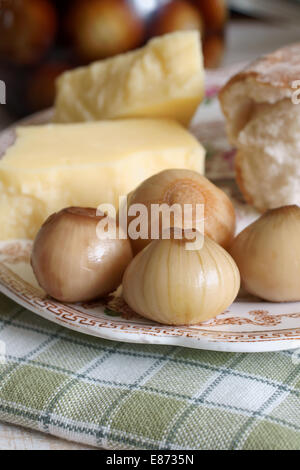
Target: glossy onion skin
104	28
181	186
71	263
267	253
171	285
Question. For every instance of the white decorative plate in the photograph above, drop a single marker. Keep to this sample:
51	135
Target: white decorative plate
249	325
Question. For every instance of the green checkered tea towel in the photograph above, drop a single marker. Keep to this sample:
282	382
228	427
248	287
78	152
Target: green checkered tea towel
137	396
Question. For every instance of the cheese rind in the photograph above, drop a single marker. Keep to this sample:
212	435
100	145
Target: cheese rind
165	78
58	165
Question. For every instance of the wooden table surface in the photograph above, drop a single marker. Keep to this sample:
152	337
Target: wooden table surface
16	438
245	41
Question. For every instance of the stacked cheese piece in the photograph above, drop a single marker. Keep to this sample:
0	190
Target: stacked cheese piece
73	162
163	79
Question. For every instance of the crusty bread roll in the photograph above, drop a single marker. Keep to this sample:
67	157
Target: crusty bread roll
264	124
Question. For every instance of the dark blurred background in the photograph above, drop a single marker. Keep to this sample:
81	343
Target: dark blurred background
39	39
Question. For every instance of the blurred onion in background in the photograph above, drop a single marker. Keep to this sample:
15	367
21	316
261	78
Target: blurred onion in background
39	39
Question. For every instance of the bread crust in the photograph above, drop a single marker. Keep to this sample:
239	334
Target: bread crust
277	71
240	180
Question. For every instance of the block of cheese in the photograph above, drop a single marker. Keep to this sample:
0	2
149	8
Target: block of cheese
57	165
165	78
20	215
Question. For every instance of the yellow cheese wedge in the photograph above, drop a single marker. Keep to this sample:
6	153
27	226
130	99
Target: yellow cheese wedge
20	216
57	165
163	79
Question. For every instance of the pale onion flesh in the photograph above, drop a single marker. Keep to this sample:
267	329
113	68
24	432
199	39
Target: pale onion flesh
171	285
181	186
267	253
71	263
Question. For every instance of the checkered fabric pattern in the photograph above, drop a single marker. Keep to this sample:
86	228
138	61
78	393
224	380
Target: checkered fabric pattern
128	396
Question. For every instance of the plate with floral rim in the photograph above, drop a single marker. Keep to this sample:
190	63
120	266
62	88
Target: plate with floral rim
248	325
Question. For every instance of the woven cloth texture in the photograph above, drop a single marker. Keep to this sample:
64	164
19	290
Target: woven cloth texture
137	396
